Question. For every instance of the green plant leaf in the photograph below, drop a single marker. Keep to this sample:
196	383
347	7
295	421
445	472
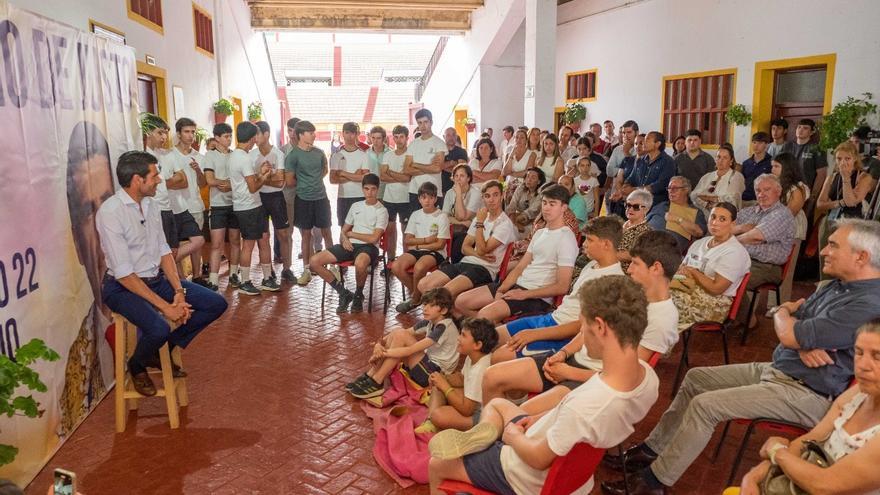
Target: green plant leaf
7	454
27	405
33	350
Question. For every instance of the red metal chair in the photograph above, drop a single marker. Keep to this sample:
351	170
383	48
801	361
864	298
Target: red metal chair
710	326
567	473
768	287
505	261
383	243
390	264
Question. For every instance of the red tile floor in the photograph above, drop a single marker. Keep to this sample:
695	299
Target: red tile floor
268	412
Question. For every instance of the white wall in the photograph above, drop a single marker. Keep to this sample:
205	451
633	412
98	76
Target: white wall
239	51
634	44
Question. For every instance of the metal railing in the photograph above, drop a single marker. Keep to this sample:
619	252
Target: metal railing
429	70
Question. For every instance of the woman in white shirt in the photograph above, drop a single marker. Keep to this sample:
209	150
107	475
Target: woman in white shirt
485	165
549	160
535	139
520	159
848	433
461	204
711	271
724	184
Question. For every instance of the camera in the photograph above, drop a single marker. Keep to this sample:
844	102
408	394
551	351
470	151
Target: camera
869	140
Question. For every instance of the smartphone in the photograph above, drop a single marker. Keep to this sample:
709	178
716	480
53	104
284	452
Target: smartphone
65	483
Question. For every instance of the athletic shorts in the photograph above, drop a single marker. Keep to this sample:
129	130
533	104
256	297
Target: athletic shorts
308	214
342	254
531	323
421	372
398	210
199	217
252	223
485	471
276	209
342	207
539	360
478	275
524	306
419	253
222	217
186	226
169	226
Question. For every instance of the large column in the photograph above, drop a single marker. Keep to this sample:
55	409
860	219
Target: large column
540	63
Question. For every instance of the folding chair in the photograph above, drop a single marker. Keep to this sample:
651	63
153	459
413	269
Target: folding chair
390	264
349	264
567	473
710	326
768	287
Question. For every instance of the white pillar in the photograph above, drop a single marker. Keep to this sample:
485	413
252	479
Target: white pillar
540	63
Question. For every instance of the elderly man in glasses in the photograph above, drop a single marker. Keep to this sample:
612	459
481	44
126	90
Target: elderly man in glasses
767	231
678	216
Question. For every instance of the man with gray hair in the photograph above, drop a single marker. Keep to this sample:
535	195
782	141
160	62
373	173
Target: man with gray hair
678	216
811	366
767	232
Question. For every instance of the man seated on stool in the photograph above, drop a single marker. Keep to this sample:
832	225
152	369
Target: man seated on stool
135	285
511	452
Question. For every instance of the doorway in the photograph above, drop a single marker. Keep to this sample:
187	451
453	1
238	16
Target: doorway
237	115
460	129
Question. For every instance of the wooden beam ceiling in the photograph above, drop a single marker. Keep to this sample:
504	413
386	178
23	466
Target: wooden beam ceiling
440	16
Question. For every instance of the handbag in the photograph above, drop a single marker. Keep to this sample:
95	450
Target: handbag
778	483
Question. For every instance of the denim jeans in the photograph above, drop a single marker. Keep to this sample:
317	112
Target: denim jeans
154	330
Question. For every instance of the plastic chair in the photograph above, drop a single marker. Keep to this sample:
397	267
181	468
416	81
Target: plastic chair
505	262
768	287
567	473
383	243
711	326
409	270
173	389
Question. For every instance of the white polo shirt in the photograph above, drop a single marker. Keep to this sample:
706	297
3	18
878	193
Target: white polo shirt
423	151
241	165
275	159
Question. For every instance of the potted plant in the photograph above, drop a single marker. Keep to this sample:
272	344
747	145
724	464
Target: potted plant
469	123
836	127
16	373
738	115
255	111
201	137
223	108
575	113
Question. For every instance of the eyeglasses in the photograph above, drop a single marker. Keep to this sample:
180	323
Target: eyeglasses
633	206
712	186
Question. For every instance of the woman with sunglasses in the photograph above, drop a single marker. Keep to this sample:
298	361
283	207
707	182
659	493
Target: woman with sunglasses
711	271
637	205
723	184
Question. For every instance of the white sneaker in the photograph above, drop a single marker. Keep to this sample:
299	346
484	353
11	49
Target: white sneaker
334	269
305	278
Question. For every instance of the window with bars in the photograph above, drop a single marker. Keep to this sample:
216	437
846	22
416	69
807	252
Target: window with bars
580	86
147	12
203	27
698	102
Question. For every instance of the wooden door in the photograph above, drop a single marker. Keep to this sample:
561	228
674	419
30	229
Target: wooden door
799	93
147	94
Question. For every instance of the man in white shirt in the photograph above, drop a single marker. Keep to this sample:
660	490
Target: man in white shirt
359	243
566	151
609	138
183	196
543	273
272	196
222	220
253	223
511	452
506	143
427	153
396	194
138	259
348	166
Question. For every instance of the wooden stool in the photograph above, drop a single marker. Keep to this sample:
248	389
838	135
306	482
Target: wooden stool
173	389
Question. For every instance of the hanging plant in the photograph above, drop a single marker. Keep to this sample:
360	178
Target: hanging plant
469	123
15	373
255	111
575	113
738	115
224	106
836	126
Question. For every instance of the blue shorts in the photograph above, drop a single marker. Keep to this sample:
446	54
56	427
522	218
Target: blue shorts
539	346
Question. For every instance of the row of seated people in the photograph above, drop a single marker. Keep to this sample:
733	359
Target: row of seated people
559	369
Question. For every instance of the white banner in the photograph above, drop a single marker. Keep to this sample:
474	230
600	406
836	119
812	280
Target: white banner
68	109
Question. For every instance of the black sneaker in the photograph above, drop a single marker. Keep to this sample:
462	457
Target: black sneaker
351	385
213	287
287	275
367	389
234	281
270	284
406	306
206	268
248	289
357	304
345	298
201	281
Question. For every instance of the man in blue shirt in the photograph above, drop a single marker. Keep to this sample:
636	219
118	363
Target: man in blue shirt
652	171
812	364
757	164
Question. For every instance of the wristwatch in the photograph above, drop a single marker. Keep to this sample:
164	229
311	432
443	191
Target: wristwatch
180	290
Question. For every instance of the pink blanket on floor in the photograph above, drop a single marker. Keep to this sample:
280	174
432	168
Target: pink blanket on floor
401	452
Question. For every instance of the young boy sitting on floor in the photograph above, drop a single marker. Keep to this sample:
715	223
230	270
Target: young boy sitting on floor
436	350
455	399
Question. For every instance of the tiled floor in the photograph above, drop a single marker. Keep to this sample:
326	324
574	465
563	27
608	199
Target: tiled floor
268	413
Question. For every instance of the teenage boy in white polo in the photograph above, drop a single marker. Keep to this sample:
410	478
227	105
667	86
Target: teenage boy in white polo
222	220
271	193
